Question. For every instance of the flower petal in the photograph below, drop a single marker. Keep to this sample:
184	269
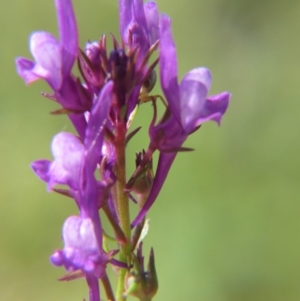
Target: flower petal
41	169
24	68
152	19
79	239
47	54
97	121
201	75
68	152
168	67
68	33
214	108
133	22
81	250
193	93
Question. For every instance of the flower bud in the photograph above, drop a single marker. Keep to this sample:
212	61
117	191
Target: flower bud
143	183
140	283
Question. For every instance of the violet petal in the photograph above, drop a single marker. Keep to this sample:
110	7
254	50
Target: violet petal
68	152
81	248
97	121
24	69
68	33
47	54
152	19
214	108
41	169
80	243
133	21
193	92
168	67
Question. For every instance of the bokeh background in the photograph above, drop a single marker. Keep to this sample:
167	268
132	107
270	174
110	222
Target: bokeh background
226	226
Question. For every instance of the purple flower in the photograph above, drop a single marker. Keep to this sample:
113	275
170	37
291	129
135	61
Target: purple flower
81	247
83	252
53	63
53	60
188	108
68	152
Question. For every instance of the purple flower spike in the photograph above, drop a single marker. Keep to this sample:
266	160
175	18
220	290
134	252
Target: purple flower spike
53	59
68	152
101	102
189	107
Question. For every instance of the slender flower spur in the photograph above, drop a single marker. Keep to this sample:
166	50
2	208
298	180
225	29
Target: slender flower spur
91	166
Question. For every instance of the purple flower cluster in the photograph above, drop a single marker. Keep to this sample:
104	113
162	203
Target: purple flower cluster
101	106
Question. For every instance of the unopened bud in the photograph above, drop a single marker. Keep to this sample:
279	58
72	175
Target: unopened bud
143	183
140	283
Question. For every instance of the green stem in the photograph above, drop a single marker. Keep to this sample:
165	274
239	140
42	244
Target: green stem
122	200
121	280
122	204
120	236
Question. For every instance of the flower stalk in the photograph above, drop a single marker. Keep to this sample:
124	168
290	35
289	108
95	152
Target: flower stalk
122	204
122	201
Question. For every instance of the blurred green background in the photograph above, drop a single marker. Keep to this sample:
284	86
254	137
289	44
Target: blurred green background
226	225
